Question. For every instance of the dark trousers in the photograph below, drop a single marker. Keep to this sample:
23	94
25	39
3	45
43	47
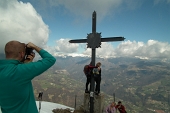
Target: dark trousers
40	96
97	80
88	82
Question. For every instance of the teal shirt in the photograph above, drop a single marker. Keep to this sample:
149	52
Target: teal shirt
16	91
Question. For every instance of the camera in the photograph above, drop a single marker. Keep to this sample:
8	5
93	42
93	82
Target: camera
28	51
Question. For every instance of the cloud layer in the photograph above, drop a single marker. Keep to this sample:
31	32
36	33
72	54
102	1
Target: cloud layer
20	21
152	49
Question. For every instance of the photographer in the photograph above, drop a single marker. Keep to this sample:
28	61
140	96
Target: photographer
16	73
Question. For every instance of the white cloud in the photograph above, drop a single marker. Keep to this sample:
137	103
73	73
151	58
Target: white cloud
105	51
64	46
20	21
150	50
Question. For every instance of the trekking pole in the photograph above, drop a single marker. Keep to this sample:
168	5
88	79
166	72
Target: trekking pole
75	102
114	96
40	99
39	105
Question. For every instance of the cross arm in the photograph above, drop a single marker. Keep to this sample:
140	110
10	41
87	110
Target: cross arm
78	41
109	39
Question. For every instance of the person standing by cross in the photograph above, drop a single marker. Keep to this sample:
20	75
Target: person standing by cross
88	72
97	78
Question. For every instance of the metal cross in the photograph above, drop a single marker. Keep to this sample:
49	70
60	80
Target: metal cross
94	41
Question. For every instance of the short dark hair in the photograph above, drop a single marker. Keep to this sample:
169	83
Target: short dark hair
12	48
119	102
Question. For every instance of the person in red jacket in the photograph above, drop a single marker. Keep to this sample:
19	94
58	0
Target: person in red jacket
120	107
87	71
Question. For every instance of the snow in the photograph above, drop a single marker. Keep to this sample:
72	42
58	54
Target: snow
47	107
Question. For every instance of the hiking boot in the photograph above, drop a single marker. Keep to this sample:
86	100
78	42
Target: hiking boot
86	91
96	93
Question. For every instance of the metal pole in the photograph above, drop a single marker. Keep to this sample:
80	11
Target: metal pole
39	105
114	96
93	56
94	22
93	64
92	84
169	102
40	99
75	102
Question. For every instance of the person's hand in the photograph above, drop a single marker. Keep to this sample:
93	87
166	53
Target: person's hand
99	68
29	58
31	45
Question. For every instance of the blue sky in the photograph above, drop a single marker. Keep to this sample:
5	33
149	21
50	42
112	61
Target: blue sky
140	21
52	23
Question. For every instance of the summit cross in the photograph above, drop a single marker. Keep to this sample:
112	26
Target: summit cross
94	41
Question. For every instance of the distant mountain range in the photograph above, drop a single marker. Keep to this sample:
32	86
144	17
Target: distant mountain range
142	85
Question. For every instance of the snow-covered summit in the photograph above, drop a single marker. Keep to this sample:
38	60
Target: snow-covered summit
47	107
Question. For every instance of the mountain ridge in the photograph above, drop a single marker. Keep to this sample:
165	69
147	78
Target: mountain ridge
134	81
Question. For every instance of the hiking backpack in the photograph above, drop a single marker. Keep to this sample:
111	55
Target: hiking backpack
86	70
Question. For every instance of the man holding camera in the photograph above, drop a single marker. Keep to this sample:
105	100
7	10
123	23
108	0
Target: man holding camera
16	73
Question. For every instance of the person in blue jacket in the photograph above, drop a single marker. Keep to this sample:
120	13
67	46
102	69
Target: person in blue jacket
16	73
